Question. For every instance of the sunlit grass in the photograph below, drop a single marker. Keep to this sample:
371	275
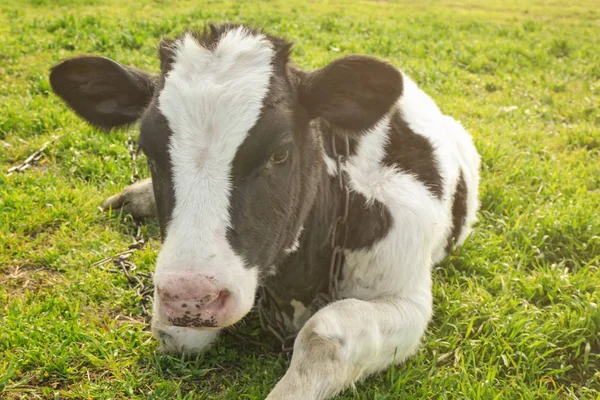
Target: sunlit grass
516	309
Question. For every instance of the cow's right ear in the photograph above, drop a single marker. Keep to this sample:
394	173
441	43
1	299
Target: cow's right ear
353	92
102	91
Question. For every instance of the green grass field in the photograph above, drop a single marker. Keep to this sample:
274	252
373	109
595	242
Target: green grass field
516	309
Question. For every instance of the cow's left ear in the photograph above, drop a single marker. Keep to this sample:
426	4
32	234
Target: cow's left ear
353	92
102	91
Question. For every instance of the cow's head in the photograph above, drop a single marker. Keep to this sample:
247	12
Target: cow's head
235	165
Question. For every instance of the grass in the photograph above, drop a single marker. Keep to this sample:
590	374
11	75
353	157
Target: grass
516	309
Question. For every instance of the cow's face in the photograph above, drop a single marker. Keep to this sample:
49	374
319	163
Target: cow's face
235	166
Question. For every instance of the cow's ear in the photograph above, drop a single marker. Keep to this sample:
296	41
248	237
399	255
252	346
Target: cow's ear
353	92
102	91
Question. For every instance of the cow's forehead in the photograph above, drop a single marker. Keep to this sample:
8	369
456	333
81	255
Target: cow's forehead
220	36
211	99
220	59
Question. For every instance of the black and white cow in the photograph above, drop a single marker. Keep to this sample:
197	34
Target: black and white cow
238	143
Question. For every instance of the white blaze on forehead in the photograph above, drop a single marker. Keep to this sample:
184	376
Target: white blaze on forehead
211	99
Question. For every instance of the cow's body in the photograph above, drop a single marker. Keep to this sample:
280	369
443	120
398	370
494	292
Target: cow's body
430	177
413	178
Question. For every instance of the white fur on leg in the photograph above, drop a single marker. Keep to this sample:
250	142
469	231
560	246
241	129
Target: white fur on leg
351	339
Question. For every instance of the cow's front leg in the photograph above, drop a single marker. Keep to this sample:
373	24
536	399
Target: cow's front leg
136	199
350	339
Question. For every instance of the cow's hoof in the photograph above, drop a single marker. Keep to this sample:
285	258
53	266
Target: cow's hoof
136	199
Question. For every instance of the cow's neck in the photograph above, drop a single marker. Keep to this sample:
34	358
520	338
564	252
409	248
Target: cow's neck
305	272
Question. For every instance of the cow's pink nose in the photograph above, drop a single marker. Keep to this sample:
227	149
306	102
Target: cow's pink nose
192	301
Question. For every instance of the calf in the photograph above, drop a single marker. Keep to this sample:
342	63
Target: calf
245	182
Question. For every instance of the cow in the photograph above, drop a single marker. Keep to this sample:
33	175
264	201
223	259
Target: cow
244	182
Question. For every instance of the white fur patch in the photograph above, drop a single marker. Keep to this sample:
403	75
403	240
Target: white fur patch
301	314
296	245
211	99
400	262
424	118
331	164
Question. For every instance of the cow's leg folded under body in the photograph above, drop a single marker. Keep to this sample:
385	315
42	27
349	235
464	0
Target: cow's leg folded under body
351	339
136	199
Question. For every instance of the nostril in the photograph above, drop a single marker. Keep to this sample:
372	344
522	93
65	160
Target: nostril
207	299
219	302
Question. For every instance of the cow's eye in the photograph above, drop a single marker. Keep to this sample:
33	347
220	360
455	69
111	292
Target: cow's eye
279	156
